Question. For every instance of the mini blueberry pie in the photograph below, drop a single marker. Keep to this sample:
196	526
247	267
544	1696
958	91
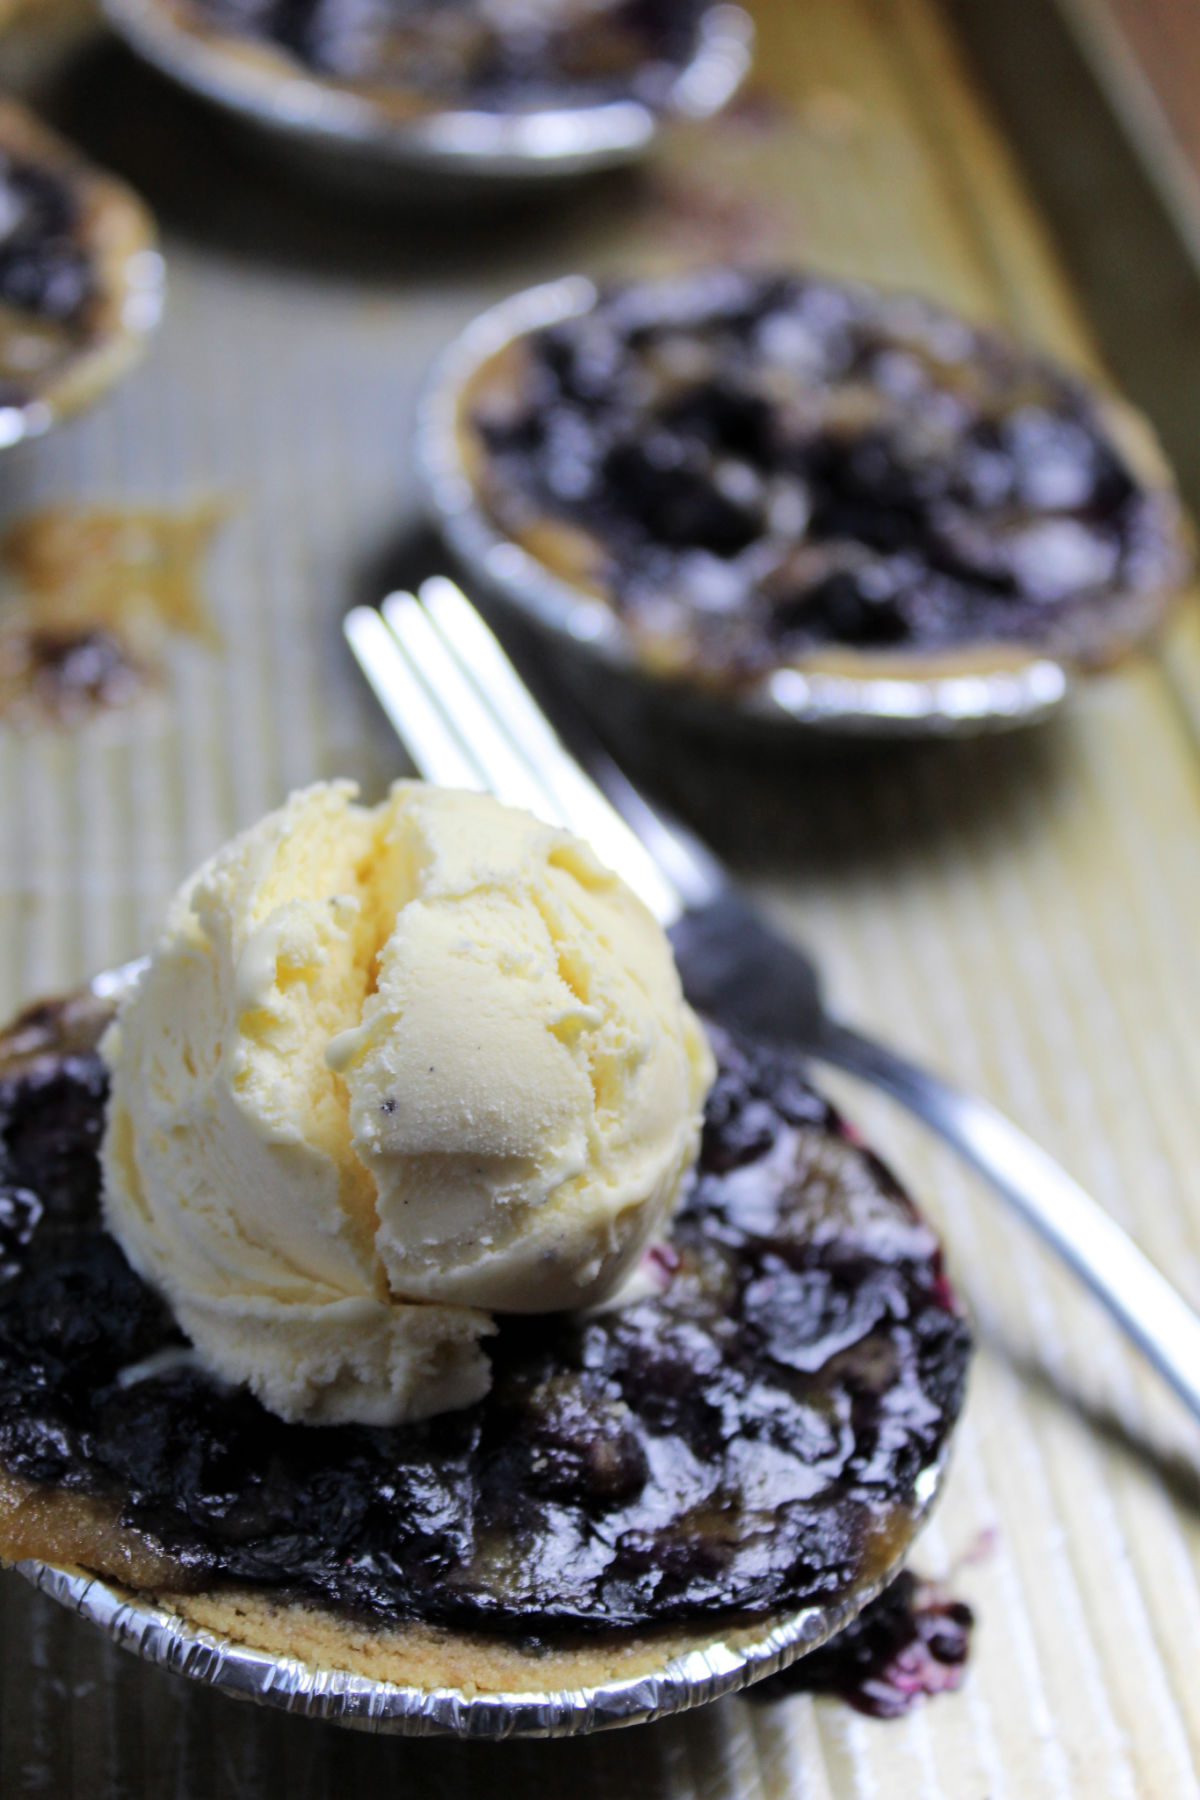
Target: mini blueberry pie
407	1283
420	55
759	472
80	279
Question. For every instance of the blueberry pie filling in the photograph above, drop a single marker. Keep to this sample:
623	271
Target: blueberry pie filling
749	1438
759	471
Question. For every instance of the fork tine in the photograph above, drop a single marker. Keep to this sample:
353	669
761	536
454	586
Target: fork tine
514	717
419	724
462	704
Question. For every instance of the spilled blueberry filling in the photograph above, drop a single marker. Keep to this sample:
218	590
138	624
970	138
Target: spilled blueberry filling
909	1644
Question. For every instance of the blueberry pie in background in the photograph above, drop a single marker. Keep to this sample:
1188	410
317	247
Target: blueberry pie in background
414	56
760	472
80	278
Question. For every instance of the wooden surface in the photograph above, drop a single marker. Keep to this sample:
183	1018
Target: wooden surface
1022	913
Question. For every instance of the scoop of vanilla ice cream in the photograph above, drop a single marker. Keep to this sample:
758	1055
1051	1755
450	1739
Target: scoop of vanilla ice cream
526	1082
389	1070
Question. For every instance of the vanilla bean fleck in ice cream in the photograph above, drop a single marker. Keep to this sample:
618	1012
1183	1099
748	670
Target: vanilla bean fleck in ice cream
389	1071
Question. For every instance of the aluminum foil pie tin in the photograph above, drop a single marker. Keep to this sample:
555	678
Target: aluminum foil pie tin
790	700
149	1630
324	128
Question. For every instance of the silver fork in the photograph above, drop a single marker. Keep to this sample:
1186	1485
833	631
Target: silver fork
468	720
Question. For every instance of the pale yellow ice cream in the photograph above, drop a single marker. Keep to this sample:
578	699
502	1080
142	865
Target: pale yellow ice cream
391	1070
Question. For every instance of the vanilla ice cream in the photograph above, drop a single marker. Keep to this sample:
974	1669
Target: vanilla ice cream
391	1070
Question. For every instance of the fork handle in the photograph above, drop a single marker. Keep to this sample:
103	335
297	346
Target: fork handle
1155	1316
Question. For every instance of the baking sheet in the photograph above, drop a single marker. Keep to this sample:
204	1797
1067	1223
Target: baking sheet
1022	913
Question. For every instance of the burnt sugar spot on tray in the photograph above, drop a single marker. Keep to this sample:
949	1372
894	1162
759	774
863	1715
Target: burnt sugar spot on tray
748	1439
911	1643
773	465
93	599
491	53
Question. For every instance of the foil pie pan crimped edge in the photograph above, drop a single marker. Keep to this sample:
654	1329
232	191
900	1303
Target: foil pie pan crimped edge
955	703
150	1630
